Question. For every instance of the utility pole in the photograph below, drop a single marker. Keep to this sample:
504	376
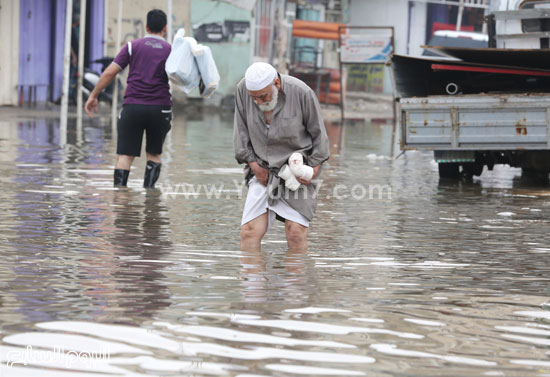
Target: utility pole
66	71
169	33
459	16
115	87
81	47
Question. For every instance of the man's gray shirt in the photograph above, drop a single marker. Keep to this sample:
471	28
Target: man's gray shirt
297	126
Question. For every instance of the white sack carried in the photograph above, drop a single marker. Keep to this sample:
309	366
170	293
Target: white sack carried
181	66
297	167
207	69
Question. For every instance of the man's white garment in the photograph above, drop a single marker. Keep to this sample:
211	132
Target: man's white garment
256	205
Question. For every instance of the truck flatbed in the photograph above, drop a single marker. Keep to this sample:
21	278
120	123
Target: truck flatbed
476	122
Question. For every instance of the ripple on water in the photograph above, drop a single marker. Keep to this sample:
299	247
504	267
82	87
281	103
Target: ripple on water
425	281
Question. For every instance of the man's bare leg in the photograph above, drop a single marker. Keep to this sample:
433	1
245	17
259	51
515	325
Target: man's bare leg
295	262
252	233
124	162
296	236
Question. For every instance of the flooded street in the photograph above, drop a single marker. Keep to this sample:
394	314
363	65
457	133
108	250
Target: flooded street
404	276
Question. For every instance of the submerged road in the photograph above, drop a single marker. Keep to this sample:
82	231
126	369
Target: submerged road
405	275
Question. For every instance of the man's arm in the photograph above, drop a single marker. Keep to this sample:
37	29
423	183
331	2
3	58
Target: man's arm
244	152
313	121
106	78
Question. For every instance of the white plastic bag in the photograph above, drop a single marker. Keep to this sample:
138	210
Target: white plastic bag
207	69
181	66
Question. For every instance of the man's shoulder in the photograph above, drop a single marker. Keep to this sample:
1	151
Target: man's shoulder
241	86
152	42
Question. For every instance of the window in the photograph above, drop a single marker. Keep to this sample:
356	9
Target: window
535	24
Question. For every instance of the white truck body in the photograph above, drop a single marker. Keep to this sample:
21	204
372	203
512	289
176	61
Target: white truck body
476	130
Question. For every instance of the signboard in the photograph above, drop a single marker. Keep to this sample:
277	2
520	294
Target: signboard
367	78
363	51
365	48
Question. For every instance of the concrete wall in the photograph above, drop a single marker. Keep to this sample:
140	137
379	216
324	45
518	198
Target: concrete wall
383	13
9	40
392	13
417	38
134	19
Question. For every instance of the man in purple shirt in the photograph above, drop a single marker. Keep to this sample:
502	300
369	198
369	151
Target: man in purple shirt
147	102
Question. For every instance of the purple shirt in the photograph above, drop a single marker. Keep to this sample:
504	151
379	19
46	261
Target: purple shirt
147	80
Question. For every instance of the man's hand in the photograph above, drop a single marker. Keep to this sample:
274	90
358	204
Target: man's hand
105	79
262	174
315	171
91	106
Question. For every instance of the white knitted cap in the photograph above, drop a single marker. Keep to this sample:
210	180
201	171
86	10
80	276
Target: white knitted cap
259	75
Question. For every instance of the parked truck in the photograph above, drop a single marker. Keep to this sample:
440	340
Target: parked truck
482	106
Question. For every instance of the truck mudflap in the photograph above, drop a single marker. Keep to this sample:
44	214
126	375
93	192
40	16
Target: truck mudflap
476	122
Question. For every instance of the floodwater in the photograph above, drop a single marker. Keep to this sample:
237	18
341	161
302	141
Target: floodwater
405	275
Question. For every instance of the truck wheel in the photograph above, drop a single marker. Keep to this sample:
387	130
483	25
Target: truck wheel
448	170
534	174
472	169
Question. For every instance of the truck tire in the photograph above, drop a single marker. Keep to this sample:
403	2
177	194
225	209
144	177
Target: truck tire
449	170
472	169
534	174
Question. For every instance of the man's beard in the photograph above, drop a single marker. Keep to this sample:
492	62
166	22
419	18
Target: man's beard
269	106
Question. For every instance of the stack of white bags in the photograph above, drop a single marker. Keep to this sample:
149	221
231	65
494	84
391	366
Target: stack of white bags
189	63
295	168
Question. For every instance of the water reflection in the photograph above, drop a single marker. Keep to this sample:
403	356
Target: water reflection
129	257
435	279
274	277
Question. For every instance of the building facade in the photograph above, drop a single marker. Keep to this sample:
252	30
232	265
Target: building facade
238	32
415	21
34	30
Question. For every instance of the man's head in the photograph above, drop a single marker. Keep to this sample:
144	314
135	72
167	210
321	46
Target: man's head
156	22
263	85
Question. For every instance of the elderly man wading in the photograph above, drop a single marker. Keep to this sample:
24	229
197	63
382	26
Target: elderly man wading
275	116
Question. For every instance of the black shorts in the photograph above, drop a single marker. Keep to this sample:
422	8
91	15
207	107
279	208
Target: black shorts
134	119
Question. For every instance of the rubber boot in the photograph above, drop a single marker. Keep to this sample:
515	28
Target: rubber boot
152	172
120	178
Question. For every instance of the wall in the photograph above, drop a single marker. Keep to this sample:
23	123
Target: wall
330	48
417	37
38	59
9	40
134	18
383	13
232	54
96	29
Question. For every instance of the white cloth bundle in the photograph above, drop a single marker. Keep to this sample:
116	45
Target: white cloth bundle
290	180
295	168
181	67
